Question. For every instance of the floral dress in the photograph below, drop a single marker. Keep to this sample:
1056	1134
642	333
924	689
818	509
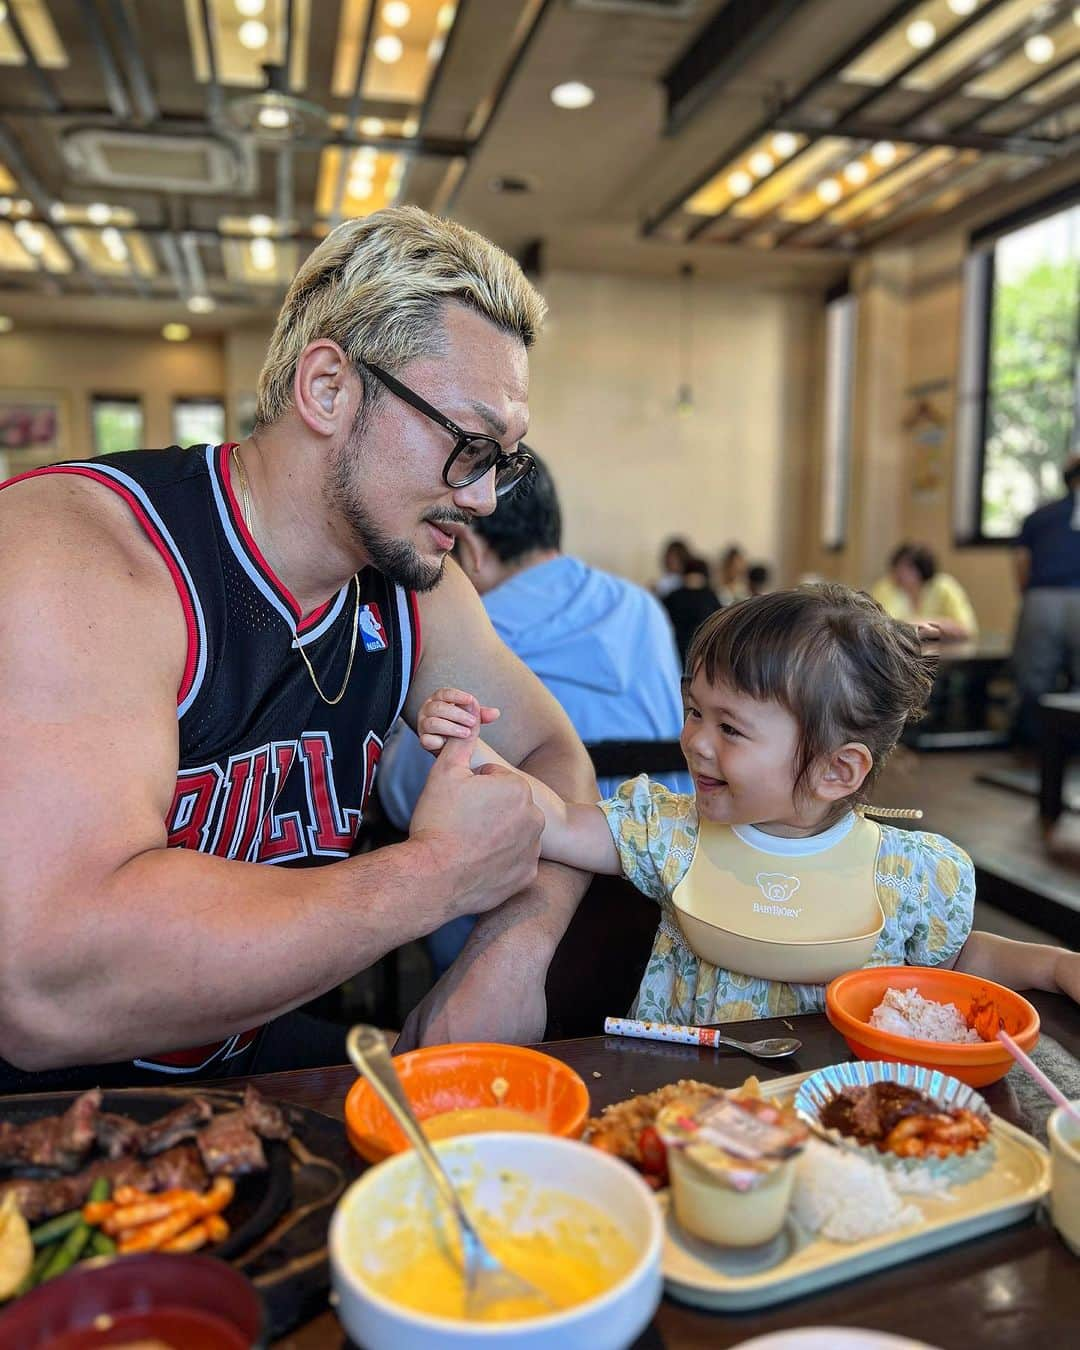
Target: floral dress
925	886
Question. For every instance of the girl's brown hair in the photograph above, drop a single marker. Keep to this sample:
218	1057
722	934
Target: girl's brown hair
832	657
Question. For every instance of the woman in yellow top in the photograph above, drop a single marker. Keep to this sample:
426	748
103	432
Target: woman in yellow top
914	591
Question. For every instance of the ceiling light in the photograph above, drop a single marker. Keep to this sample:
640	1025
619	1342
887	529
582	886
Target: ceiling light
445	17
97	213
856	172
260	224
784	144
3	12
360	189
6	322
114	244
30	237
372	126
410	126
176	332
435	49
200	304
58	211
761	163
388	48
274	117
253	34
572	94
883	153
963	7
739	183
250	9
396	13
6	205
1039	48
829	190
263	254
921	33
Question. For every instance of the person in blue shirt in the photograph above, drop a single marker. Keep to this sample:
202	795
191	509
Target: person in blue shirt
602	645
1048	571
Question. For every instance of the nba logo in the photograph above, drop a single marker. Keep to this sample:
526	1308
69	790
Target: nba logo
372	631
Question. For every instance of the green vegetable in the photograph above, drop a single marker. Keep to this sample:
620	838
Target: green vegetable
99	1191
46	1233
68	1252
102	1245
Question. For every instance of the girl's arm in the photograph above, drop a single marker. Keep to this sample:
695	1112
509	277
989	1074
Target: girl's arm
1020	965
575	833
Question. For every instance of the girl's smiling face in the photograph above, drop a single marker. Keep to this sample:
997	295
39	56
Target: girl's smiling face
742	755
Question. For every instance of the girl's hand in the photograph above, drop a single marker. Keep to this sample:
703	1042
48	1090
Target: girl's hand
451	713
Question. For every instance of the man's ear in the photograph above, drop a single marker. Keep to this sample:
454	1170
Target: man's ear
327	392
843	772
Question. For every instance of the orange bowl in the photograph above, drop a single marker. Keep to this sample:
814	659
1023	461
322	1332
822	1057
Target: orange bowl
851	998
449	1077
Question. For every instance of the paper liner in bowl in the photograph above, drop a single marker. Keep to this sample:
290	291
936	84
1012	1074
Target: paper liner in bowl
911	1174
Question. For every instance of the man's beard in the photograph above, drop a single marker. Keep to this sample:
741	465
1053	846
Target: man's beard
397	559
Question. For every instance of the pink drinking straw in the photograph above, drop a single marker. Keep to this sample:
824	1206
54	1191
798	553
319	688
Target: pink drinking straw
1033	1071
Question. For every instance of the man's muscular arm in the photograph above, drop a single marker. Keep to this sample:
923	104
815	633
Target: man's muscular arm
111	944
495	989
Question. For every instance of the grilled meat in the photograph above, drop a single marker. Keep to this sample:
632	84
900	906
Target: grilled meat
264	1117
117	1136
183	1123
59	1142
179	1167
228	1144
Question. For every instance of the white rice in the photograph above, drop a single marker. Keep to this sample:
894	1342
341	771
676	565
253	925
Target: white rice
844	1197
905	1012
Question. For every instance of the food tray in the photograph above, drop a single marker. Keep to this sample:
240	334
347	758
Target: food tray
797	1263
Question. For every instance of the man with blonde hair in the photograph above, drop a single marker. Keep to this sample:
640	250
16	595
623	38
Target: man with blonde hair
202	653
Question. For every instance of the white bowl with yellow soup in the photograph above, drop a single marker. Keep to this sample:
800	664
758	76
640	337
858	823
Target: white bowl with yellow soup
581	1226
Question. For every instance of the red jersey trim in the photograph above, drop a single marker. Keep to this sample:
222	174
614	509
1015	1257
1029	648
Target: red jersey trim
417	642
155	537
301	623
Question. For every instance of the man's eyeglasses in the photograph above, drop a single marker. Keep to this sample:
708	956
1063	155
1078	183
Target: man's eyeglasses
472	455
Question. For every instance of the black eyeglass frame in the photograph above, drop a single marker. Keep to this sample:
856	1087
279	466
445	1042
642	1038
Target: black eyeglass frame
495	457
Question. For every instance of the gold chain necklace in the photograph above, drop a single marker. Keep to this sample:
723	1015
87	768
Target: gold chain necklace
245	511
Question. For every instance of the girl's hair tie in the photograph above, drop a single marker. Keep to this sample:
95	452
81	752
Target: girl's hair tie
891	812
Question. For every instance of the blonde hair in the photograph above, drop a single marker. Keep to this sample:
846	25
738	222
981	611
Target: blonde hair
376	287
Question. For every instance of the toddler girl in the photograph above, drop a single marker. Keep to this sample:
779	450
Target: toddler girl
794	701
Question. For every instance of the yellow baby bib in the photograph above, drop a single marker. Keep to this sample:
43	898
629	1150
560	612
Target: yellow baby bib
803	918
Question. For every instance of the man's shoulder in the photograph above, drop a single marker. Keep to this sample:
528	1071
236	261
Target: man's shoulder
1048	515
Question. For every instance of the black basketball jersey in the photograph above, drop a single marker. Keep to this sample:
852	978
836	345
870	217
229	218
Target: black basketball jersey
268	771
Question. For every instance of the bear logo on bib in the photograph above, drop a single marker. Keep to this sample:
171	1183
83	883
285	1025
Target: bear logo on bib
776	887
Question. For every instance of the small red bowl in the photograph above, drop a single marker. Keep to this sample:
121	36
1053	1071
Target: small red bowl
851	998
115	1300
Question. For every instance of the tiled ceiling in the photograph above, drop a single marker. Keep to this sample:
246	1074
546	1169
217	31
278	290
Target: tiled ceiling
191	151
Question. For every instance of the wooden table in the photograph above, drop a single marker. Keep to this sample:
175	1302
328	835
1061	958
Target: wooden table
975	662
1060	717
1010	1290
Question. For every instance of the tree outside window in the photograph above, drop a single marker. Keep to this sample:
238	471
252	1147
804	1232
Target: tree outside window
116	423
1033	370
198	421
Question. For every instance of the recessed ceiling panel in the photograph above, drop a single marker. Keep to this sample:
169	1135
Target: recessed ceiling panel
40	33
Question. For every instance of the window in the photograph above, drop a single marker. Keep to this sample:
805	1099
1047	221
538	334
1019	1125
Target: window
198	421
116	423
840	320
1020	376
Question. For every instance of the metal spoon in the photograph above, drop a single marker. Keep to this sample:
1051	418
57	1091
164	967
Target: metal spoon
772	1047
487	1280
